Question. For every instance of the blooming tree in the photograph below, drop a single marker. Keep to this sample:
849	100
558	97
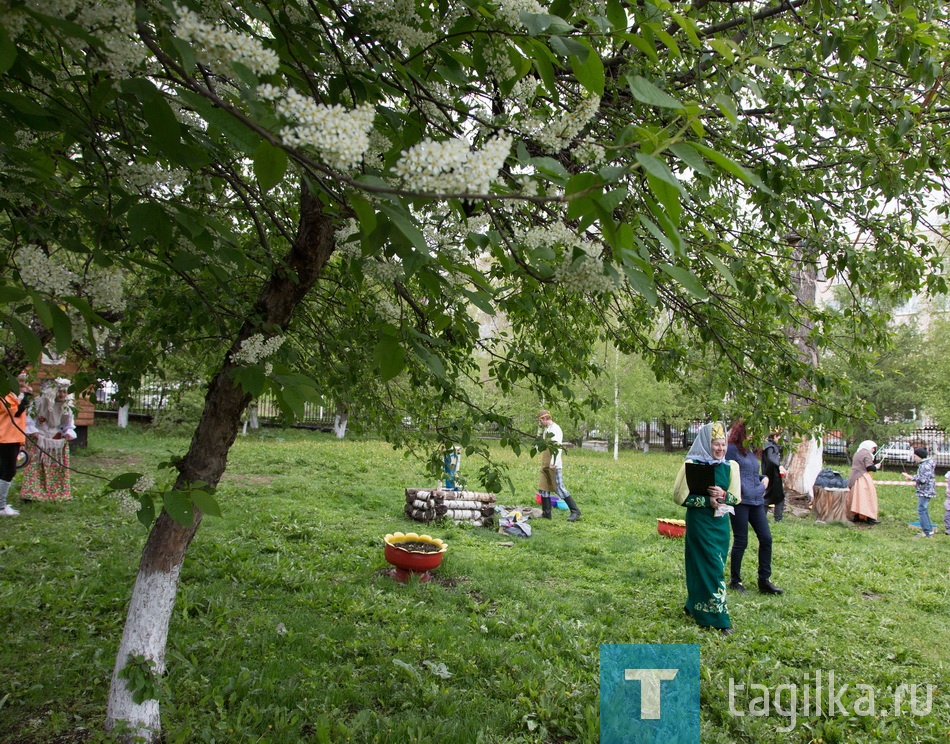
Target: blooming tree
394	197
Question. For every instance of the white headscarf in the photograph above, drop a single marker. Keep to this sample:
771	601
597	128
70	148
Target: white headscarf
701	449
868	445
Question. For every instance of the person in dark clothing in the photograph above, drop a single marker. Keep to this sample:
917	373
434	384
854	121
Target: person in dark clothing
750	511
773	469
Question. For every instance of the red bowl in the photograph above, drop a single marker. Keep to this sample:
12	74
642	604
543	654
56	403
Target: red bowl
411	561
671	527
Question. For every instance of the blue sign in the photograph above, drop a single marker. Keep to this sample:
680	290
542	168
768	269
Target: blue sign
649	693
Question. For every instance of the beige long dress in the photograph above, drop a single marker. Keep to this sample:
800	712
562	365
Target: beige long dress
862	499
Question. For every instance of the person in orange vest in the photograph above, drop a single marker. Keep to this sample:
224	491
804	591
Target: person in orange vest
12	436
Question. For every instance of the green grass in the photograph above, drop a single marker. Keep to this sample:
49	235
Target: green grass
288	627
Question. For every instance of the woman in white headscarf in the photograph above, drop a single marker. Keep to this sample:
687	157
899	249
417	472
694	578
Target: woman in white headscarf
50	427
862	496
707	528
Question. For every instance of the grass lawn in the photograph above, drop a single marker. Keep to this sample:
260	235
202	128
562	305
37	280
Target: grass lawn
288	627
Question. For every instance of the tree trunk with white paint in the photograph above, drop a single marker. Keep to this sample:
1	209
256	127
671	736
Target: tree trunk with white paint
340	420
122	417
153	596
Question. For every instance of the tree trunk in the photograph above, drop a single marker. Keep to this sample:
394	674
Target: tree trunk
340	420
806	457
122	417
803	469
153	596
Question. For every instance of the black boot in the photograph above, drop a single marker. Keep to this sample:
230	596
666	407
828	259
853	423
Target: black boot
545	507
575	512
767	587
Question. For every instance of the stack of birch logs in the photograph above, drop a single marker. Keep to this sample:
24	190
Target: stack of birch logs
432	504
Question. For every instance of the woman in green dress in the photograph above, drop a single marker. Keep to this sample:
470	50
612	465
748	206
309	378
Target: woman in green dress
707	528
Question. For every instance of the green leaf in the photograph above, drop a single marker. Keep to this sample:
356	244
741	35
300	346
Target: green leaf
7	51
668	196
431	361
656	167
244	138
41	308
270	164
722	268
146	512
481	300
178	505
32	348
251	379
23	104
728	108
148	221
646	92
365	214
538	23
124	481
689	28
206	503
566	47
406	227
589	72
617	15
10	294
687	279
641	283
389	357
730	166
725	48
62	328
690	157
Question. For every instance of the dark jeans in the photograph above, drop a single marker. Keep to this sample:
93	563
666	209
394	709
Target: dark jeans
757	517
8	454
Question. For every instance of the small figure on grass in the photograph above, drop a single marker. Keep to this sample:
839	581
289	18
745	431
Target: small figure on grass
12	436
552	476
926	481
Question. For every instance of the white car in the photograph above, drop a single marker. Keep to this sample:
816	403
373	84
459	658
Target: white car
897	452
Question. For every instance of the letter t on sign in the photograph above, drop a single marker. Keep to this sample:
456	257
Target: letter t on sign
649	688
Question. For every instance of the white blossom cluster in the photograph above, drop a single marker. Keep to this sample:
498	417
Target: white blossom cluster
152	178
255	348
451	166
220	45
105	289
583	276
510	10
388	310
379	145
127	505
524	92
496	55
385	272
40	272
144	484
553	235
396	21
113	22
589	153
339	135
554	136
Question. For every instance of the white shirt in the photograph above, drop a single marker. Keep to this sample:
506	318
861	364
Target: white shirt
552	432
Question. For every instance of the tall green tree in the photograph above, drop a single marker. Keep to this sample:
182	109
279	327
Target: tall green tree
582	170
